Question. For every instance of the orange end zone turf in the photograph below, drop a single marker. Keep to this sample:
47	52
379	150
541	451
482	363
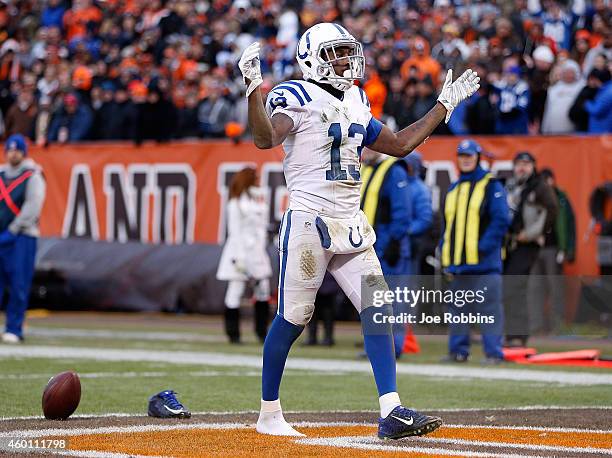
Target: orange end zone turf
245	442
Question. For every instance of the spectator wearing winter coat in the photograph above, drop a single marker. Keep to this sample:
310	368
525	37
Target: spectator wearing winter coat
512	101
582	47
558	25
71	122
509	39
600	110
451	50
604	48
376	91
187	122
578	113
538	77
480	112
52	14
394	102
534	208
560	99
159	116
426	97
20	117
422	61
214	113
559	246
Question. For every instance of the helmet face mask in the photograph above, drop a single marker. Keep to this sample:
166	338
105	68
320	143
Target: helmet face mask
325	45
331	54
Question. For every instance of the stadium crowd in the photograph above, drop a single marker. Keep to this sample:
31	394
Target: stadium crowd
164	69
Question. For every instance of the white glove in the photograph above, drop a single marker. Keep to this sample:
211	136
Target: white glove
454	93
249	66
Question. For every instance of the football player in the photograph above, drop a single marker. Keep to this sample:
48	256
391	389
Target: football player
324	122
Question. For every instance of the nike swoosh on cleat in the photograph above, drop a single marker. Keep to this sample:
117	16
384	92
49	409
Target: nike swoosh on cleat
406	422
175	412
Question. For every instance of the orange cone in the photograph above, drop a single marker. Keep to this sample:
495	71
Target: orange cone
411	345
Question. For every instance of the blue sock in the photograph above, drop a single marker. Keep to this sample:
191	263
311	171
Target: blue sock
381	353
276	348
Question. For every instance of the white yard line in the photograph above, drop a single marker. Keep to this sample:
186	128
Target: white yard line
320	365
297	412
125	335
550	429
30	433
85	375
536	447
311	424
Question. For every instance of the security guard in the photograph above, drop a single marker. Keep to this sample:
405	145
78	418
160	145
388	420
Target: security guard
22	193
476	217
385	200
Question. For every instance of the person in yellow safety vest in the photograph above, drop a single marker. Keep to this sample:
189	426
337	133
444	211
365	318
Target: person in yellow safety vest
385	200
476	218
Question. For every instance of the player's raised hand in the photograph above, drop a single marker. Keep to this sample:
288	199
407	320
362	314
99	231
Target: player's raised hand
249	66
454	93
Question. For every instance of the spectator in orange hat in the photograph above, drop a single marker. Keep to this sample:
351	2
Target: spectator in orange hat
81	83
582	46
423	62
496	55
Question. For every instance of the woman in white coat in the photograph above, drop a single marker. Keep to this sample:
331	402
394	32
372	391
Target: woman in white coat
244	258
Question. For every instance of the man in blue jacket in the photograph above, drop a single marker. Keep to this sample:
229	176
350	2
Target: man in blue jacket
22	193
600	110
421	210
476	218
386	202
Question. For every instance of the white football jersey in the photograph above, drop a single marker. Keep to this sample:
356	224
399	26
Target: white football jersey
323	150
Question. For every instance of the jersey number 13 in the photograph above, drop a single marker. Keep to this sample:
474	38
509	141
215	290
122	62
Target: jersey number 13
337	172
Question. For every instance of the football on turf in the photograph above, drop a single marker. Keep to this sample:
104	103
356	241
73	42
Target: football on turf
61	396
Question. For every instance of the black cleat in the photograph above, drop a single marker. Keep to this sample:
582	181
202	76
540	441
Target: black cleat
403	422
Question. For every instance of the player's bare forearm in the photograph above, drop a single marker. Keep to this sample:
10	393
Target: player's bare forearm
267	133
402	143
261	127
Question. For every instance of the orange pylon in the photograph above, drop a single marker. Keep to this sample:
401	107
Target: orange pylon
411	345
